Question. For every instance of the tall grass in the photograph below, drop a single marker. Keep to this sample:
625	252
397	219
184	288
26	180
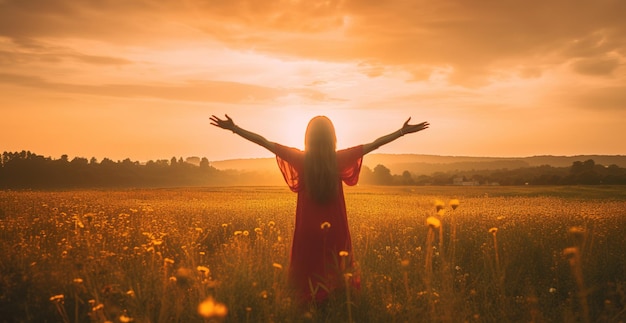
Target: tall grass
212	255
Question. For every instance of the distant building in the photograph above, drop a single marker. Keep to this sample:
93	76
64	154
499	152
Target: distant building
460	181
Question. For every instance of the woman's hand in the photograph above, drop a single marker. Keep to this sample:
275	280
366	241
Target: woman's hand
227	124
411	128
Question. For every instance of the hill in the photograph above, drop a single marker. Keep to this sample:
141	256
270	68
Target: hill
429	164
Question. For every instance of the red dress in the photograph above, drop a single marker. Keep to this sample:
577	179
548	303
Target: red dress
315	267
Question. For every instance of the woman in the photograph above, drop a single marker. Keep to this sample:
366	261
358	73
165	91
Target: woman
321	250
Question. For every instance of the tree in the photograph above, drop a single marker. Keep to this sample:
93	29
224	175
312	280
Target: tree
584	172
382	175
407	178
204	163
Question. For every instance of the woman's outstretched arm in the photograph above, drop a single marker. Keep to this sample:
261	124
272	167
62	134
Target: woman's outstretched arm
228	124
406	129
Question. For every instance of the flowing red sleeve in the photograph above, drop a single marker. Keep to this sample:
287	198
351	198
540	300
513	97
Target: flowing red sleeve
290	161
349	162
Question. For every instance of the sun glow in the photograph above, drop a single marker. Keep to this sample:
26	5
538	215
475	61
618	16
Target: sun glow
295	121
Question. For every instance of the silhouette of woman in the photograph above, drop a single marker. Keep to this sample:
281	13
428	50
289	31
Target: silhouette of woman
321	249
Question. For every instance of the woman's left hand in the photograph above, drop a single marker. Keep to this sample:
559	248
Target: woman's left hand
411	128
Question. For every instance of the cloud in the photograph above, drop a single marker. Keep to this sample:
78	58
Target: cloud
29	51
200	91
600	66
472	39
475	39
610	98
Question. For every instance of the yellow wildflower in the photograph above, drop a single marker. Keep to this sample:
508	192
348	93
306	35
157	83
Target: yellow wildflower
203	269
433	222
454	203
438	205
210	308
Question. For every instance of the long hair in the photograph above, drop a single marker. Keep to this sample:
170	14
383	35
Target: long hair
321	175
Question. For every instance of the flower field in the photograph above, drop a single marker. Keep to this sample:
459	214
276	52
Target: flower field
429	254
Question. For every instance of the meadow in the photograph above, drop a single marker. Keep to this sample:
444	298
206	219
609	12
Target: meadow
425	254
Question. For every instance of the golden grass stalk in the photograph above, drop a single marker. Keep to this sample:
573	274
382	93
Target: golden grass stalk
433	224
574	256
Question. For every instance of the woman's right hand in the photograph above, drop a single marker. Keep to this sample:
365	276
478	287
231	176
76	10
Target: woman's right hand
227	123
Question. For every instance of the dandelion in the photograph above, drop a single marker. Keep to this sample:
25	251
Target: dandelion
89	217
130	293
343	253
573	254
79	223
125	318
271	224
258	231
454	203
245	233
237	233
576	230
498	270
224	225
571	251
325	226
433	222
203	270
78	280
578	235
168	261
277	266
405	276
438	205
210	308
57	298
346	277
184	276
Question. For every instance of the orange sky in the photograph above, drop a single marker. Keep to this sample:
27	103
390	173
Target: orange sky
140	79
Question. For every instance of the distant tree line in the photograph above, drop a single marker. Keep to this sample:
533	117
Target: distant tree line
579	173
26	170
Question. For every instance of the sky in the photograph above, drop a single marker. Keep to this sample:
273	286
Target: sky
140	79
